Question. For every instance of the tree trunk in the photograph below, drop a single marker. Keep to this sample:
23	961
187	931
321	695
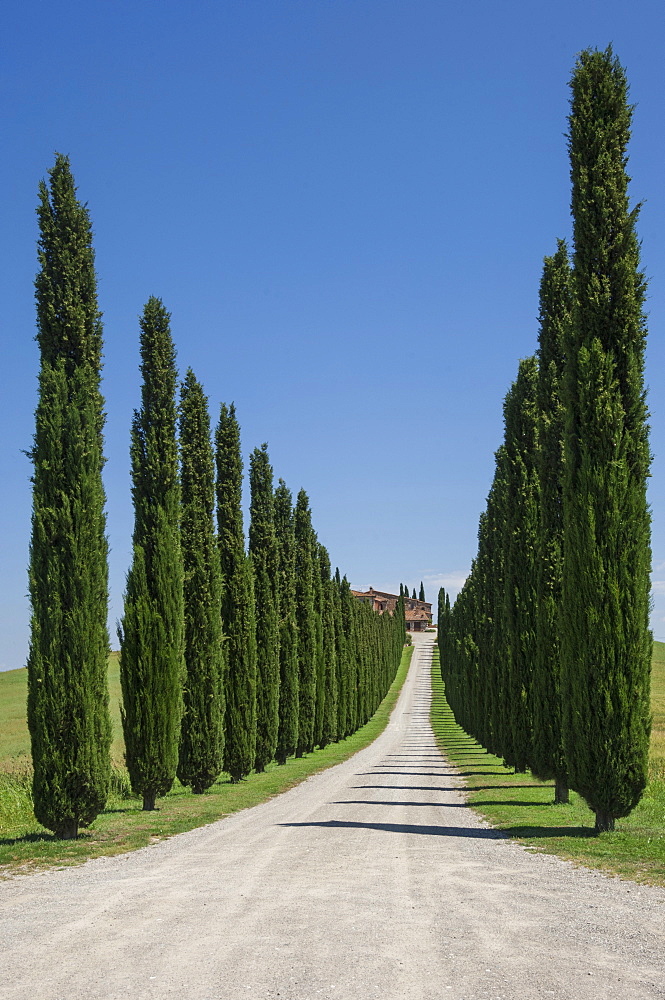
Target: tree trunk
561	793
604	821
300	751
68	830
281	758
149	801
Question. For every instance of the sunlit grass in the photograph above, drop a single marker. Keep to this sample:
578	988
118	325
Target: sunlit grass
523	807
123	826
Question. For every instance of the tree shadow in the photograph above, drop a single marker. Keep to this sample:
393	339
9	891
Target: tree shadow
480	833
428	788
35	838
550	831
470	774
401	774
373	802
510	802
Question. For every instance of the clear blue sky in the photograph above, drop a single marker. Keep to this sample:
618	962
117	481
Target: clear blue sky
345	205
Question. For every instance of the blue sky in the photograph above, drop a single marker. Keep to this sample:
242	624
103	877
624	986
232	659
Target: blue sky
345	205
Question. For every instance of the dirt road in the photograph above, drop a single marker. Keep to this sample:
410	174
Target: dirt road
372	879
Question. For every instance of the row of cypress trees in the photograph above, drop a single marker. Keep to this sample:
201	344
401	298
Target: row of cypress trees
230	657
546	651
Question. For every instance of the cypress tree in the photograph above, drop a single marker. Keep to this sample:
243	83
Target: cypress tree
421	596
547	757
320	686
349	604
341	659
329	627
305	618
238	621
605	598
151	633
413	596
68	715
202	733
497	679
263	550
287	736
521	534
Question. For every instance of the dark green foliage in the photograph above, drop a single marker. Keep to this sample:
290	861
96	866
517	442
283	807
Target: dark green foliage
547	757
340	595
202	733
263	550
306	622
421	595
495	577
151	633
521	539
605	640
287	736
68	713
238	621
413	595
329	625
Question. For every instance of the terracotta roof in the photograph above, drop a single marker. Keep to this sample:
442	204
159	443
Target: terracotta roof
417	615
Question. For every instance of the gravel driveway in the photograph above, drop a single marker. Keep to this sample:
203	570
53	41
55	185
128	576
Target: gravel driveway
372	879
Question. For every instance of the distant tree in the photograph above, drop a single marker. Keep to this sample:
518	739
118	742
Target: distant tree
238	620
547	756
414	595
421	596
341	659
329	622
263	550
520	537
605	639
319	605
151	633
287	737
305	617
202	735
68	715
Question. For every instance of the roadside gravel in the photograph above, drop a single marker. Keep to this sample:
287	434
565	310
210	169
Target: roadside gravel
370	880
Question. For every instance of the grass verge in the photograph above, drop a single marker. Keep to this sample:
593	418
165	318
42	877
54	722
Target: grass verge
26	846
523	808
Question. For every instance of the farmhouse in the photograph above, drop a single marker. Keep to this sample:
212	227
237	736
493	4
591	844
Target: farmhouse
418	614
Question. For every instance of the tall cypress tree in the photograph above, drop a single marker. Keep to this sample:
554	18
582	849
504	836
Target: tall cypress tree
263	550
238	621
202	733
329	652
605	638
151	633
341	659
305	617
68	713
319	602
547	757
287	736
521	535
421	595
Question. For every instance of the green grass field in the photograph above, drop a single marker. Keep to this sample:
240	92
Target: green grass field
523	807
123	826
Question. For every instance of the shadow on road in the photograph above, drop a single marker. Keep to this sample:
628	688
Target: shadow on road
427	831
455	831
